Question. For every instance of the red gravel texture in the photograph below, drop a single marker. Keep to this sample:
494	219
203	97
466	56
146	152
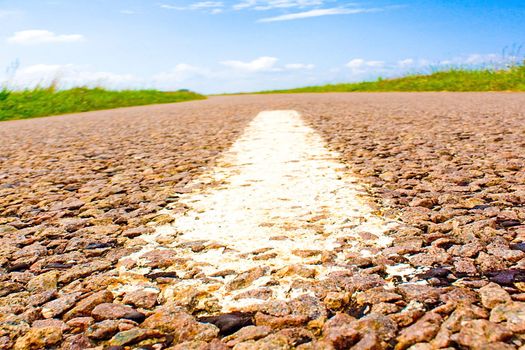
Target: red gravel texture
76	191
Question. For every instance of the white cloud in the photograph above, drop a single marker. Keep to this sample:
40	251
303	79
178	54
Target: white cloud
206	5
212	6
265	64
359	63
69	75
302	8
263	5
37	36
318	13
260	64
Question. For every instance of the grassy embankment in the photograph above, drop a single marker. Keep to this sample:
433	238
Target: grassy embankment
454	79
42	102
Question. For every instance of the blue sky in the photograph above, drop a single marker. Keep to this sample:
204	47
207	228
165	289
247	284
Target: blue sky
243	45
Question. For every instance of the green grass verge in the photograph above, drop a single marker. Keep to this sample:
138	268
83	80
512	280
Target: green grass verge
42	102
455	79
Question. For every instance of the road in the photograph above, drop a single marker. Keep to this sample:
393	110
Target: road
312	221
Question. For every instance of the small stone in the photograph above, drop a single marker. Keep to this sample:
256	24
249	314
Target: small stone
160	258
77	342
513	313
39	338
58	306
493	295
133	336
110	311
41	298
103	330
262	293
299	270
297	336
423	330
86	305
462	314
423	202
421	293
50	323
381	325
246	278
336	300
141	298
247	333
137	231
478	333
339	332
44	282
273	341
465	266
80	324
375	296
178	323
306	253
370	341
81	271
70	203
280	322
309	306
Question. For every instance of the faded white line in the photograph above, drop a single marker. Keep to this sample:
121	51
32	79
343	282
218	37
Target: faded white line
277	198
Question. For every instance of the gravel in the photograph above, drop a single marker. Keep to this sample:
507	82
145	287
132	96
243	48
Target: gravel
77	192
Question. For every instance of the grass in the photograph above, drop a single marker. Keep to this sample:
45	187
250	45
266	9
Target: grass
42	102
453	79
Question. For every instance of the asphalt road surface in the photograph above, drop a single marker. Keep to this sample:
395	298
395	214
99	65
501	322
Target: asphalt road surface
308	221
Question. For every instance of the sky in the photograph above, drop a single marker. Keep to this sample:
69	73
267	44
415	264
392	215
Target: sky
248	45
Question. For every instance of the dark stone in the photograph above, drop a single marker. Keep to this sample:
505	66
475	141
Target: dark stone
509	223
518	246
58	266
18	267
136	316
99	245
437	272
155	275
229	323
507	277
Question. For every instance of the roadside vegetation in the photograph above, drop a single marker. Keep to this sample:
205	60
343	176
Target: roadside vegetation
452	79
41	102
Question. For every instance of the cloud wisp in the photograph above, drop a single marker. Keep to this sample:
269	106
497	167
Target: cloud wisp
261	64
265	64
294	9
40	36
264	5
213	7
318	13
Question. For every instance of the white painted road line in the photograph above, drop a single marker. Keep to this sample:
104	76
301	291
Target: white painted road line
277	199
